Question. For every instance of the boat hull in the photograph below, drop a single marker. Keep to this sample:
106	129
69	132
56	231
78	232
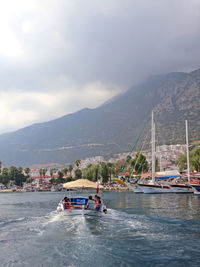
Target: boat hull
154	189
196	189
78	207
81	212
136	189
181	189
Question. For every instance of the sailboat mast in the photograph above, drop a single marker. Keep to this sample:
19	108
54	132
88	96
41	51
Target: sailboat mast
187	149
153	147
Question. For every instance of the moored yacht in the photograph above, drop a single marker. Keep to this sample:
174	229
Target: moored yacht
153	187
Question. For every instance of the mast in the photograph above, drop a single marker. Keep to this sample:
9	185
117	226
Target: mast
153	147
187	149
160	161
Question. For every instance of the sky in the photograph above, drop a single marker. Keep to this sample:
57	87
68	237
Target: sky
59	56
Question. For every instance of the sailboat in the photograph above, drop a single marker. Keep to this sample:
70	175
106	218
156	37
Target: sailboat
196	183
152	187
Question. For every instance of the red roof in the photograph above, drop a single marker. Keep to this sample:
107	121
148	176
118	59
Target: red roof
124	173
66	176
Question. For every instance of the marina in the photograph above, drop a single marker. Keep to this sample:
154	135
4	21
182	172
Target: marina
100	133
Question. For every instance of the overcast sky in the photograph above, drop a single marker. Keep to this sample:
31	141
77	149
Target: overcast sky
59	56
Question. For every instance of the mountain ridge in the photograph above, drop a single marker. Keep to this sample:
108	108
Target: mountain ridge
113	126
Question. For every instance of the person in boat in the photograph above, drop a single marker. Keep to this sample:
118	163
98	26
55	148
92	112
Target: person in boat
90	204
67	203
95	199
98	203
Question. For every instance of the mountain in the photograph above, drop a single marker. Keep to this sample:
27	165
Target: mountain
112	127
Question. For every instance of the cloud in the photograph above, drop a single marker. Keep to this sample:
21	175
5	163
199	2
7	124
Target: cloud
58	56
19	109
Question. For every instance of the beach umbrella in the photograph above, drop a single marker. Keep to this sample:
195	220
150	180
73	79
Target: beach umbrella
81	183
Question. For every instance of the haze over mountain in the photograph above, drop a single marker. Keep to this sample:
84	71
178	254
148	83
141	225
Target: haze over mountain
112	127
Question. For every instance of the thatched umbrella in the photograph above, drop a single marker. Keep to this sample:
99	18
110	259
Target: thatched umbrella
81	183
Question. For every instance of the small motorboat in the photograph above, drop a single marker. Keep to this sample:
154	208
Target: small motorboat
78	207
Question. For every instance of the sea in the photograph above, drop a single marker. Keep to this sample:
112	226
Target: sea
138	230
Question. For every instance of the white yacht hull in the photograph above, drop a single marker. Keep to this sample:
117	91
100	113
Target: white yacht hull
155	189
176	188
136	189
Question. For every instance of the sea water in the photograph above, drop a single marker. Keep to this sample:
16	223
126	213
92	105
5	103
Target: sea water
138	230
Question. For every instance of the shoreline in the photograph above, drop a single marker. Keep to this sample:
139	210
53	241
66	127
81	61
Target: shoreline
104	189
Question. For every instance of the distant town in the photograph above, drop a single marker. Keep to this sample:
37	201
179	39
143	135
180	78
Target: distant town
52	176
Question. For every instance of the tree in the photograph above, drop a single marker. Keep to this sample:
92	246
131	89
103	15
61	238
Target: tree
29	180
157	167
13	172
194	157
20	170
139	163
60	179
104	172
65	171
182	162
44	172
111	169
78	174
4	177
40	172
5	171
27	171
16	175
118	166
70	168
91	172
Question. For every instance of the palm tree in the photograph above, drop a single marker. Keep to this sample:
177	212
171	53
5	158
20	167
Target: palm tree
44	172
5	171
40	172
77	162
51	173
70	168
111	170
20	170
27	171
65	171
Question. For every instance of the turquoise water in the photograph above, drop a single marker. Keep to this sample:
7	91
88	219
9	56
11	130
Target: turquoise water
139	230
